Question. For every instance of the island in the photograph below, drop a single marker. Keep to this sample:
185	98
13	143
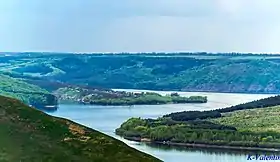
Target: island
111	97
248	126
27	134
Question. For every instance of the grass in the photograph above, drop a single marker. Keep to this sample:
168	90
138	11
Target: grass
29	135
10	84
28	93
256	120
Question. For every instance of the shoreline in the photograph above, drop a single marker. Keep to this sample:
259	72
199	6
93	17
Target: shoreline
198	91
123	98
142	104
196	145
86	103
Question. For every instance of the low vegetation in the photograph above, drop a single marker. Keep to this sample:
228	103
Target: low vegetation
29	135
255	120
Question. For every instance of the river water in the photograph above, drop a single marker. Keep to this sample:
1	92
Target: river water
107	118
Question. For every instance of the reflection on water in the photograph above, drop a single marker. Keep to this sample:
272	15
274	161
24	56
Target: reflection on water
107	118
209	151
48	109
186	154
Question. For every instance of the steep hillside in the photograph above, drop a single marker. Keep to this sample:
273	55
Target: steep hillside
28	93
255	76
28	135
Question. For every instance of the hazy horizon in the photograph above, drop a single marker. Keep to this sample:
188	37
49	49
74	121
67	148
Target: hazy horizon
152	52
98	26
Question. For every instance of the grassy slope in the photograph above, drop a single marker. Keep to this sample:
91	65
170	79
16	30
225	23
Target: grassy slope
256	120
29	135
28	93
9	84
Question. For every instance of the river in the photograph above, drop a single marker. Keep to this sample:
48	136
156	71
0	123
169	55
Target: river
107	118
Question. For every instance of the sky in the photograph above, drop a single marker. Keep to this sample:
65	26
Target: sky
140	26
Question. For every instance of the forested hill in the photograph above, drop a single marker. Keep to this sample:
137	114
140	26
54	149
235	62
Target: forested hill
188	72
27	93
29	135
248	126
193	115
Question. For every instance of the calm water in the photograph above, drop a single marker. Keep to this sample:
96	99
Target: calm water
107	118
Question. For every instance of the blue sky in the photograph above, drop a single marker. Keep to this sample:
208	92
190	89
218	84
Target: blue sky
140	25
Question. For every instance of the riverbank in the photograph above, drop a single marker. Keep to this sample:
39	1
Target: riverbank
199	91
249	126
206	146
46	108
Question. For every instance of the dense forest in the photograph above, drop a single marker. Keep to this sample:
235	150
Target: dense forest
193	115
27	134
110	97
242	125
231	72
266	102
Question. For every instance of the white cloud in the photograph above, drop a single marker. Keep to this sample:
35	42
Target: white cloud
250	9
231	7
140	25
182	33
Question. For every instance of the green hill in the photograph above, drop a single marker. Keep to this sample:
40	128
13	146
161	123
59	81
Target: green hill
253	76
249	126
255	120
214	73
27	93
29	135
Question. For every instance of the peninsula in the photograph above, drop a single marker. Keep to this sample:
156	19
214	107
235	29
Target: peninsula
249	126
110	97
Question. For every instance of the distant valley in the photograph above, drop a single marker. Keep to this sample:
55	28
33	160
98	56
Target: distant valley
238	73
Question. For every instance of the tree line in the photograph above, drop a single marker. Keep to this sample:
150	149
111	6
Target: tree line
197	132
193	115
